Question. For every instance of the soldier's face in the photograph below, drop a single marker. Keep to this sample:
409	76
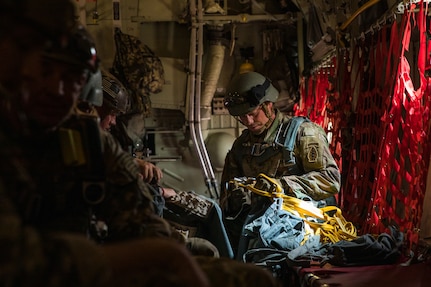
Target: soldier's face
255	121
51	91
108	121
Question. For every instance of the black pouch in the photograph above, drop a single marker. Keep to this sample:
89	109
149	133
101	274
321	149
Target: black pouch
273	260
367	250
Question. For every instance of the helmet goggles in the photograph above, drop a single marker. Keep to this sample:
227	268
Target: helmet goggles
240	104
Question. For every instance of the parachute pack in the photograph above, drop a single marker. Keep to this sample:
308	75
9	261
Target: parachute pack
139	69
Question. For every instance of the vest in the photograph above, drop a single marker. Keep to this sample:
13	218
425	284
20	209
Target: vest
285	139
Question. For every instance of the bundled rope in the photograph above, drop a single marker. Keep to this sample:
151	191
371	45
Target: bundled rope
328	222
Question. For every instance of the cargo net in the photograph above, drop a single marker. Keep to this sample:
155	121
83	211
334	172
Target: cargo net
321	103
380	125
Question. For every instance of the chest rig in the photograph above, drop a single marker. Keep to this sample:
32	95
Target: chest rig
284	140
81	150
59	170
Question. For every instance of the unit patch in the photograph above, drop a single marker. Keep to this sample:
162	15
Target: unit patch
313	152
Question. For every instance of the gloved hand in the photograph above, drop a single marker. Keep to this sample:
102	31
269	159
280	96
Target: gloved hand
268	184
237	199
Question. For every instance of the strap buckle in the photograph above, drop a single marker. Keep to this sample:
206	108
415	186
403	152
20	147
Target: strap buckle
257	149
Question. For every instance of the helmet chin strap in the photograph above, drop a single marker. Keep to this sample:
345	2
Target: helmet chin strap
269	113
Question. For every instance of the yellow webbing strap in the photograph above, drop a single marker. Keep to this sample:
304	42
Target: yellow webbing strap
335	227
332	228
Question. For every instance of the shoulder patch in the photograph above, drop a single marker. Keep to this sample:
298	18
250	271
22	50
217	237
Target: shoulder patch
313	152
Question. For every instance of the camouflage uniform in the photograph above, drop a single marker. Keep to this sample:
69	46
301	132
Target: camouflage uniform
188	215
107	186
196	216
31	257
316	174
128	208
41	195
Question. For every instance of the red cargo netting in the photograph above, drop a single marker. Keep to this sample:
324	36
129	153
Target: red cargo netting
402	169
379	124
320	102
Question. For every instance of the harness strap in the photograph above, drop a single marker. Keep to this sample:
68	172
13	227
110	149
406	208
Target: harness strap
285	138
287	132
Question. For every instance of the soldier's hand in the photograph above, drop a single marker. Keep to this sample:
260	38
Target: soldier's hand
237	198
269	184
150	173
168	192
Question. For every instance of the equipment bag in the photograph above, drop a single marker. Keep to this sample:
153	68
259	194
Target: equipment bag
138	68
270	259
367	250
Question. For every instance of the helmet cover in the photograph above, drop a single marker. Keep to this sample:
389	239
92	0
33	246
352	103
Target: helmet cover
115	96
247	91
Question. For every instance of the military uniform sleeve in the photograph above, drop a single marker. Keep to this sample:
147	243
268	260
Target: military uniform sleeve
30	258
128	208
321	176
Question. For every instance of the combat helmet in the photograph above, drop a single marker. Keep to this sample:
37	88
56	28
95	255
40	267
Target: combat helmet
247	91
115	96
78	49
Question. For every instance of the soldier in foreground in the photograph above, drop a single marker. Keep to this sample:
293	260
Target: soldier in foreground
299	156
32	256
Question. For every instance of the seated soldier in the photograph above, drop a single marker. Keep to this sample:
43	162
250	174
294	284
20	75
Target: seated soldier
191	214
291	150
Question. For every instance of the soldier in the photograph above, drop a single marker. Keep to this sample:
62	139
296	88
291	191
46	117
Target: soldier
115	101
191	214
82	171
307	170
